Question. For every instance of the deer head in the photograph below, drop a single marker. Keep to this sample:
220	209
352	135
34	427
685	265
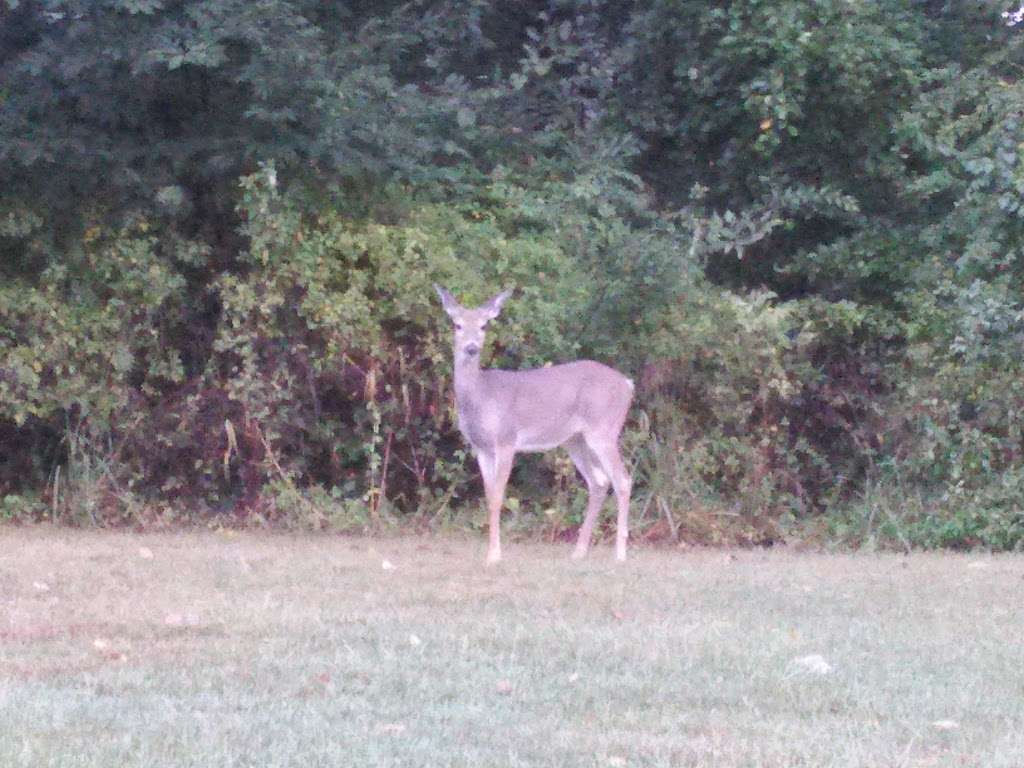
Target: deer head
470	324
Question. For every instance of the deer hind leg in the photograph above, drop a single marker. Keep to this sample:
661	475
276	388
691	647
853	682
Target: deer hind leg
495	469
607	454
597	490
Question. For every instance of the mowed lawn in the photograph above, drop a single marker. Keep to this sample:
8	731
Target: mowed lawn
214	649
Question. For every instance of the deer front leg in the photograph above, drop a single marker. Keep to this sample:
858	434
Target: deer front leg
495	469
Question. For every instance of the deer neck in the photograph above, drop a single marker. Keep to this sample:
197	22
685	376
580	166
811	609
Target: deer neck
467	380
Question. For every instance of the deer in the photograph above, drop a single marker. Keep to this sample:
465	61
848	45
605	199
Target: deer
581	406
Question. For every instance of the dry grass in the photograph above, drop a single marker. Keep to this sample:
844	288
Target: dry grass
262	650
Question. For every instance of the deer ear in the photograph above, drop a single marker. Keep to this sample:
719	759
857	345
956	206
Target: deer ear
447	300
493	307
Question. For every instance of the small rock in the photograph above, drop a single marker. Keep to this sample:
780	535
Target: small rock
414	641
945	725
815	664
41	586
387	565
145	553
504	687
176	619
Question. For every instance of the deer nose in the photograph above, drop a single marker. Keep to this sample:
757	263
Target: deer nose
472	349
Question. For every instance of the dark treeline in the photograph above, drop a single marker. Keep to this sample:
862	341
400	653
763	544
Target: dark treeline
796	224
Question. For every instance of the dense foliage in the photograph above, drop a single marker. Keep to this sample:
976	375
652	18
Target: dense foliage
796	224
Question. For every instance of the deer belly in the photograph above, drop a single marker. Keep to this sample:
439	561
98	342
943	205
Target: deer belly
537	446
488	428
544	437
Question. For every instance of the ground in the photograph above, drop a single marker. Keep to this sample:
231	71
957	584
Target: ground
227	649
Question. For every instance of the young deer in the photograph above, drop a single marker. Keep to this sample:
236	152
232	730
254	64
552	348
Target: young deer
580	405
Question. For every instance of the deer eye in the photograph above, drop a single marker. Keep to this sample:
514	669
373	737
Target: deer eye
458	326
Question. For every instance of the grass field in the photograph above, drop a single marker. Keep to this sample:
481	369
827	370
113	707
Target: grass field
211	649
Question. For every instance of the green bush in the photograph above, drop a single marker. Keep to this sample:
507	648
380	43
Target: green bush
796	226
329	363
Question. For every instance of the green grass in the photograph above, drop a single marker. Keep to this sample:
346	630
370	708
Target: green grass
270	650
